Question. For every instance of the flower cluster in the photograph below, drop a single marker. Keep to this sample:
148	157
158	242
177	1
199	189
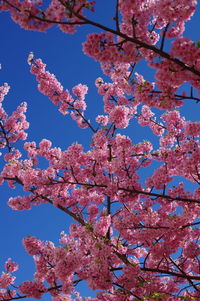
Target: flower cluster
12	128
7	280
30	16
50	86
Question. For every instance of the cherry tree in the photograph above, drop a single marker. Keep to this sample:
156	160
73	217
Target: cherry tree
129	239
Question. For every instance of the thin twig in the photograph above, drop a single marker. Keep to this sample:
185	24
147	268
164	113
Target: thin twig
163	37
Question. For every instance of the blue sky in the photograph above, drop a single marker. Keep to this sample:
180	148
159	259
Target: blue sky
64	57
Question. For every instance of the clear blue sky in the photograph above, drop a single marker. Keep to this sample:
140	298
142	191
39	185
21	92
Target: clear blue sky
63	55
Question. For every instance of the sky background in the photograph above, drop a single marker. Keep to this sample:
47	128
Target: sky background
64	57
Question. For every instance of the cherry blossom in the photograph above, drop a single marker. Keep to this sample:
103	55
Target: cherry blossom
134	233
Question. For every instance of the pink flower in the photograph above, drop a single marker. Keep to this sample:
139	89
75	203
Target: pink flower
80	91
79	105
20	203
98	82
93	210
33	245
102	225
12	156
6	279
120	116
32	289
11	266
45	144
192	129
4	91
102	119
